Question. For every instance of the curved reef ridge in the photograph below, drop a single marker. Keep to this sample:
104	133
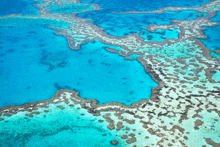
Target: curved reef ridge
184	110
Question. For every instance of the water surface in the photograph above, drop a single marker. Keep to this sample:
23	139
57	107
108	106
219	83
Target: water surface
124	24
213	37
35	63
143	5
24	7
72	8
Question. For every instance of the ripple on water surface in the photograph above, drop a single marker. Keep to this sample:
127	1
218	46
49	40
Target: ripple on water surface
35	63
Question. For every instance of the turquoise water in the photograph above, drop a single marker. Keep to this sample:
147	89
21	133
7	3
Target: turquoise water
160	35
134	56
213	37
216	76
75	8
67	128
24	7
124	24
35	21
142	5
35	65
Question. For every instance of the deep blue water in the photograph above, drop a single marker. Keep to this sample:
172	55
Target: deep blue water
124	24
213	37
24	7
35	63
142	5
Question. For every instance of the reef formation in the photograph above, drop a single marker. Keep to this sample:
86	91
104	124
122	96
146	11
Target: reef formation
184	110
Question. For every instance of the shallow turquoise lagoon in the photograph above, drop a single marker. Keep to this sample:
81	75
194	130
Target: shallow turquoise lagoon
35	63
70	127
160	35
24	7
216	76
124	24
74	8
213	37
43	22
